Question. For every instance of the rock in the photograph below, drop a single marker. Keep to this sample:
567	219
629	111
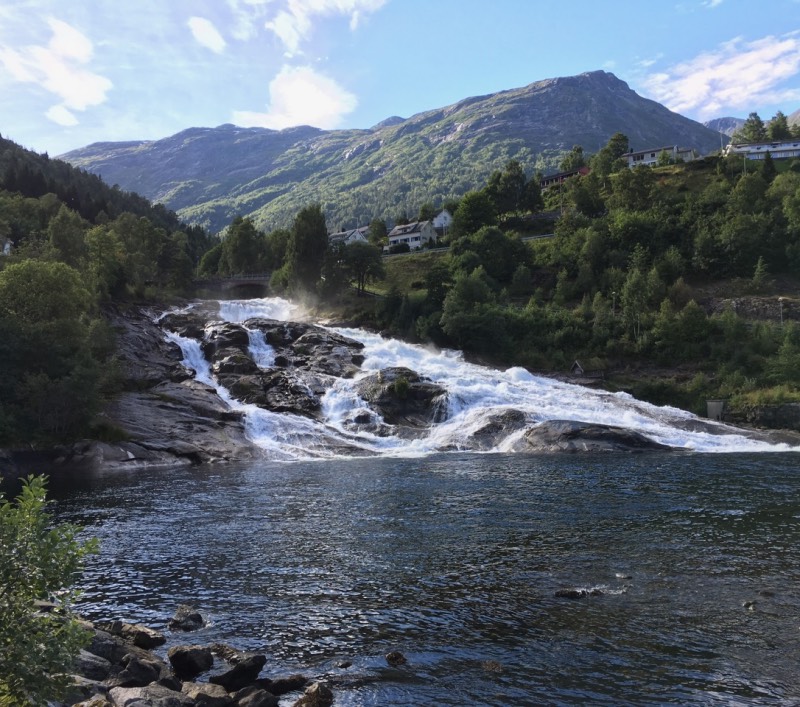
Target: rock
232	362
91	666
137	672
492	666
254	697
276	390
96	701
222	336
149	696
395	658
207	695
280	686
186	618
190	661
574	436
316	695
496	428
402	397
82	689
191	324
575	593
141	636
243	674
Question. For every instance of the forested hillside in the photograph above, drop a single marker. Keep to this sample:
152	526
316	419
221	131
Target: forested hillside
71	246
211	175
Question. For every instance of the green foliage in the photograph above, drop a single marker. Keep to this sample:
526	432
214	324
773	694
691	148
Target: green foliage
475	211
753	130
37	562
574	159
305	251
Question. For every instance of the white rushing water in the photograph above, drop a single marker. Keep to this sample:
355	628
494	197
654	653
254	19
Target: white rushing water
475	393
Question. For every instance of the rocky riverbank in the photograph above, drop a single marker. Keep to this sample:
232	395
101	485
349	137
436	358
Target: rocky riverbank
124	665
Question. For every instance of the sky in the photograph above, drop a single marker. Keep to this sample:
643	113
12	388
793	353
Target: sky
76	72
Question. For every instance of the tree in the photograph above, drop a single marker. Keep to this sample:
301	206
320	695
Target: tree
752	130
65	233
574	159
37	562
475	211
377	231
778	128
243	247
35	292
364	262
506	189
426	212
768	170
305	251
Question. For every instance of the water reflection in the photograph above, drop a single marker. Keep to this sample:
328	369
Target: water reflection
455	560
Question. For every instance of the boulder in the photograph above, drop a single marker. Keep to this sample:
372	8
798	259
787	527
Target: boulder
276	390
207	695
403	397
280	686
186	618
396	658
138	671
496	428
243	674
574	436
577	593
137	634
149	696
224	335
91	666
191	323
232	362
254	696
316	695
329	353
190	661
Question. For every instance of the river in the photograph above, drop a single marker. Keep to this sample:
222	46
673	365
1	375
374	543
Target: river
455	558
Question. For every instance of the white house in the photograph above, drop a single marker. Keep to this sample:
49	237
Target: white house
442	222
351	236
414	234
780	150
6	249
650	157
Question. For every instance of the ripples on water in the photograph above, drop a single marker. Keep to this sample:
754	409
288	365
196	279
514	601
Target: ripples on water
454	560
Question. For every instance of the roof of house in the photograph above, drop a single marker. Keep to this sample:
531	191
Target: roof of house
408	228
361	231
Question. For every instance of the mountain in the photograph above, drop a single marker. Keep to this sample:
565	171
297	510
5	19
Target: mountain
210	175
726	126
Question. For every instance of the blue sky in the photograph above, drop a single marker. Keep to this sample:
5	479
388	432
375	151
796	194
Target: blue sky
83	71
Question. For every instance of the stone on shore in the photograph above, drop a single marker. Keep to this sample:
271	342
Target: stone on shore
190	661
574	436
186	618
316	695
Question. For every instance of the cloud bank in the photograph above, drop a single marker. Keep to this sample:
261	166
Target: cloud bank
737	76
58	68
301	96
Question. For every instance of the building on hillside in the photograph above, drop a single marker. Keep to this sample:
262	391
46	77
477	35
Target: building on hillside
352	236
551	180
781	150
6	249
442	222
651	156
414	234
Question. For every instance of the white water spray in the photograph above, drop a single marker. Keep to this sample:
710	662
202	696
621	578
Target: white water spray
475	395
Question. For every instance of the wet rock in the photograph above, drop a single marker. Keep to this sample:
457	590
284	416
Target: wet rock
492	666
233	362
329	353
222	336
137	634
496	428
186	618
280	686
206	695
190	324
576	593
316	695
574	436
395	658
243	674
190	661
276	390
403	397
254	697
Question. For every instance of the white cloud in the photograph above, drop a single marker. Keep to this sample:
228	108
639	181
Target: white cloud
301	96
738	75
62	116
206	34
293	23
712	3
58	69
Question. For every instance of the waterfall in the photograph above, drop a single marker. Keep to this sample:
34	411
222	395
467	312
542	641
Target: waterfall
475	394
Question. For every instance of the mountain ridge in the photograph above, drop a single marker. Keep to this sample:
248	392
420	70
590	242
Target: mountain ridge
210	175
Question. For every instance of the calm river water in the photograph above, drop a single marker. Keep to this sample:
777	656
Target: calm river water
454	560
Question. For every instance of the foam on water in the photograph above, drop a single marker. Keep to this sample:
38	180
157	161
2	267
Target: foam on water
474	394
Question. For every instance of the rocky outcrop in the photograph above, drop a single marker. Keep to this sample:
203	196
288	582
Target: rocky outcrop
496	428
573	436
403	397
